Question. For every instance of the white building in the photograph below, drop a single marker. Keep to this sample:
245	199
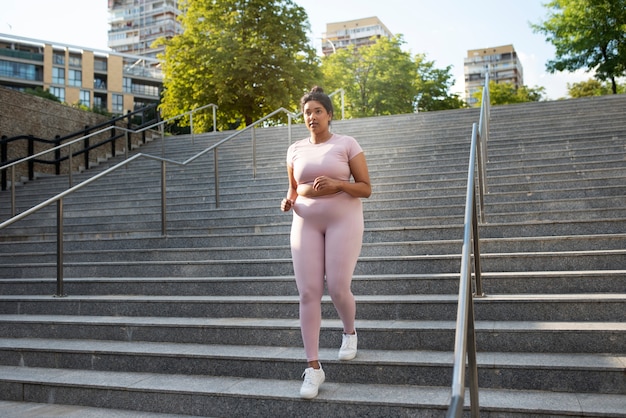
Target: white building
136	24
502	64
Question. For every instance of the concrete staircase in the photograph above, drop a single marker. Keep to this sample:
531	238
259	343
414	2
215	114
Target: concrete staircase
204	321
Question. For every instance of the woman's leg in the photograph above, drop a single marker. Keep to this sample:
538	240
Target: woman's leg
307	250
344	239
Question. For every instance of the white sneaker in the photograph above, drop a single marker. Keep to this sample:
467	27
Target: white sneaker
348	347
313	378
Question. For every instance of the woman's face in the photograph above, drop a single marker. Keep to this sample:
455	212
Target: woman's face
316	117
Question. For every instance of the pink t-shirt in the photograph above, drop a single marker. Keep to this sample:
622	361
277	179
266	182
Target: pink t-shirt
326	159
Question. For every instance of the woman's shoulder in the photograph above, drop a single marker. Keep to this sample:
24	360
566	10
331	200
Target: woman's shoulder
347	141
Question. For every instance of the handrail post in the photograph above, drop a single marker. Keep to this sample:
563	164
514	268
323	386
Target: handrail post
476	245
253	152
342	104
163	199
289	126
4	151
70	163
217	175
472	364
60	292
13	204
31	162
214	119
86	148
57	155
191	127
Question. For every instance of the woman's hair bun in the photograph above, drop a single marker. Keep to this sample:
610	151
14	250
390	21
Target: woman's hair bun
317	89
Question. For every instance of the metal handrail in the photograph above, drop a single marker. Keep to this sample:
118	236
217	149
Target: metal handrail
159	124
465	337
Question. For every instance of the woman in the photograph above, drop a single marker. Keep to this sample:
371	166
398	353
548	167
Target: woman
327	228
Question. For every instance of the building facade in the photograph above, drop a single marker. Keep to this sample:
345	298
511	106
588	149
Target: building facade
134	25
360	32
502	64
104	80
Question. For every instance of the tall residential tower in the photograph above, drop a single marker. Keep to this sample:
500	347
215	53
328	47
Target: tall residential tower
502	64
136	24
359	32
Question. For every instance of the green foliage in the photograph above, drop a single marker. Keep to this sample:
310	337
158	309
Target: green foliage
506	93
249	57
587	34
433	86
39	92
592	87
587	88
381	79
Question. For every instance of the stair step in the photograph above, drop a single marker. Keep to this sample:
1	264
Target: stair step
492	336
228	396
592	373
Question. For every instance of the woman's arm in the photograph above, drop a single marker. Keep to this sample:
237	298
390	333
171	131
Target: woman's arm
292	193
323	186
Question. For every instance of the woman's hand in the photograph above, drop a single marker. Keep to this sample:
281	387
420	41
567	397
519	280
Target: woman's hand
286	205
322	186
326	185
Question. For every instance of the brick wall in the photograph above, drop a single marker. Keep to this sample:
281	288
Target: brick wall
25	114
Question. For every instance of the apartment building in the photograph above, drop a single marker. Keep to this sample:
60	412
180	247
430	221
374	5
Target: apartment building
136	24
96	79
359	32
502	64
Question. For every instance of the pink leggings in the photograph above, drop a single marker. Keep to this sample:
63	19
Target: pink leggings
326	238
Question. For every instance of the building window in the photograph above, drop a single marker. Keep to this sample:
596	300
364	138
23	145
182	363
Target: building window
59	92
58	58
75	60
117	105
58	75
100	65
22	71
98	103
127	85
75	78
99	83
85	98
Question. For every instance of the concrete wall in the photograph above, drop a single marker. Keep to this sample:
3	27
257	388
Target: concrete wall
25	114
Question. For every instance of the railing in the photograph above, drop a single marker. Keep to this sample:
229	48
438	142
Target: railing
58	199
57	149
465	338
146	115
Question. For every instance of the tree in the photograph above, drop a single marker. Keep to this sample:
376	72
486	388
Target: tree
433	86
587	34
378	79
587	88
381	79
249	57
592	87
507	93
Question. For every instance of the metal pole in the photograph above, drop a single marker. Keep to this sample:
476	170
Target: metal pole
69	170
214	119
191	127
253	153
476	242
163	200
13	206
342	105
217	181
471	358
60	292
289	125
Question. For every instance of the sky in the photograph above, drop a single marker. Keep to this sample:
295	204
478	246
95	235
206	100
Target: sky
443	30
